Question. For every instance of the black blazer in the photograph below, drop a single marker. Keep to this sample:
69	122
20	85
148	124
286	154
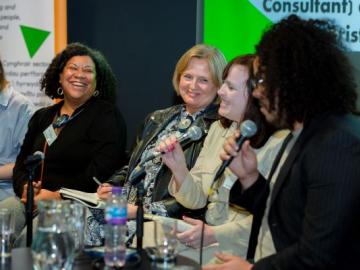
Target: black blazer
314	215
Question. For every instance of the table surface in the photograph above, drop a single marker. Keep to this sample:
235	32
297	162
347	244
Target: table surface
186	255
25	263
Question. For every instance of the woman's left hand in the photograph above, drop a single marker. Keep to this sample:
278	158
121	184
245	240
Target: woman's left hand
132	209
230	262
192	237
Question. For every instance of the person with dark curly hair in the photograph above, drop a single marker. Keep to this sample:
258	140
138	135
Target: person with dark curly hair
307	212
82	136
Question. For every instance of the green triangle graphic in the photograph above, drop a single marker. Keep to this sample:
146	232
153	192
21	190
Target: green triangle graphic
34	38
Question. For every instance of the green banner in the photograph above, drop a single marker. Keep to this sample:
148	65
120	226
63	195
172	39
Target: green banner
234	26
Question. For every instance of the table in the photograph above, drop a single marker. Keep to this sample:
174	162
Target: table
191	253
187	255
22	260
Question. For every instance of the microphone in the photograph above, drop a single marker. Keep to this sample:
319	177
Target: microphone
119	177
247	129
31	162
194	133
34	159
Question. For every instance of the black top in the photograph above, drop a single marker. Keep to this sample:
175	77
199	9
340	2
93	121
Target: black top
91	144
314	206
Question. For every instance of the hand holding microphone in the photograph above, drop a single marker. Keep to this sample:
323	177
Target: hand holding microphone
170	148
31	162
194	133
36	187
171	153
242	163
173	156
34	159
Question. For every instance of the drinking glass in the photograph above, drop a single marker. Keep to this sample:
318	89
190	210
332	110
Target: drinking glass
6	231
53	246
166	242
76	223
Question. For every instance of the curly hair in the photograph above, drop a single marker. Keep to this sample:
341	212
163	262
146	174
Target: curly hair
105	78
304	64
252	111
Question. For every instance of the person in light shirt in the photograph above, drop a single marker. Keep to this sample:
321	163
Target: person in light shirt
15	113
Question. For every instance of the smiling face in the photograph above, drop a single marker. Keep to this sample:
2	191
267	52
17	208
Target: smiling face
196	86
234	93
78	79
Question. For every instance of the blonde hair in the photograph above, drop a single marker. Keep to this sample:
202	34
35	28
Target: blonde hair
212	55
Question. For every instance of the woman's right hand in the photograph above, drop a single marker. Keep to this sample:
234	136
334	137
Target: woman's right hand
104	191
173	157
244	164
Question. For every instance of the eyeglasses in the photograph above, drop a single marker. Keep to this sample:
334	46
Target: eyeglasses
87	69
256	82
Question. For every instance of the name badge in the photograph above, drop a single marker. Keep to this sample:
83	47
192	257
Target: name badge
50	135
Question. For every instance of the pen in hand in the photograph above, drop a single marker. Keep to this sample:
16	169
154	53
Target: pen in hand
104	190
97	181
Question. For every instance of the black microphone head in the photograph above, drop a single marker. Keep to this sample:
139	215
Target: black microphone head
39	154
119	177
35	159
248	128
194	133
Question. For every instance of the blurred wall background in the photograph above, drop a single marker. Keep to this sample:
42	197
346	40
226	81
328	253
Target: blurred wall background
142	40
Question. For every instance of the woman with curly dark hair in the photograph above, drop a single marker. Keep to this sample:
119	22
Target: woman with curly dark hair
308	77
82	136
104	78
307	212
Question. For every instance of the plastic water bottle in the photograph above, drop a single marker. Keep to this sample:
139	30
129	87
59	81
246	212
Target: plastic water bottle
115	228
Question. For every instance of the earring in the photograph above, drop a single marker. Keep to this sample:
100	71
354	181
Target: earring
96	93
59	91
